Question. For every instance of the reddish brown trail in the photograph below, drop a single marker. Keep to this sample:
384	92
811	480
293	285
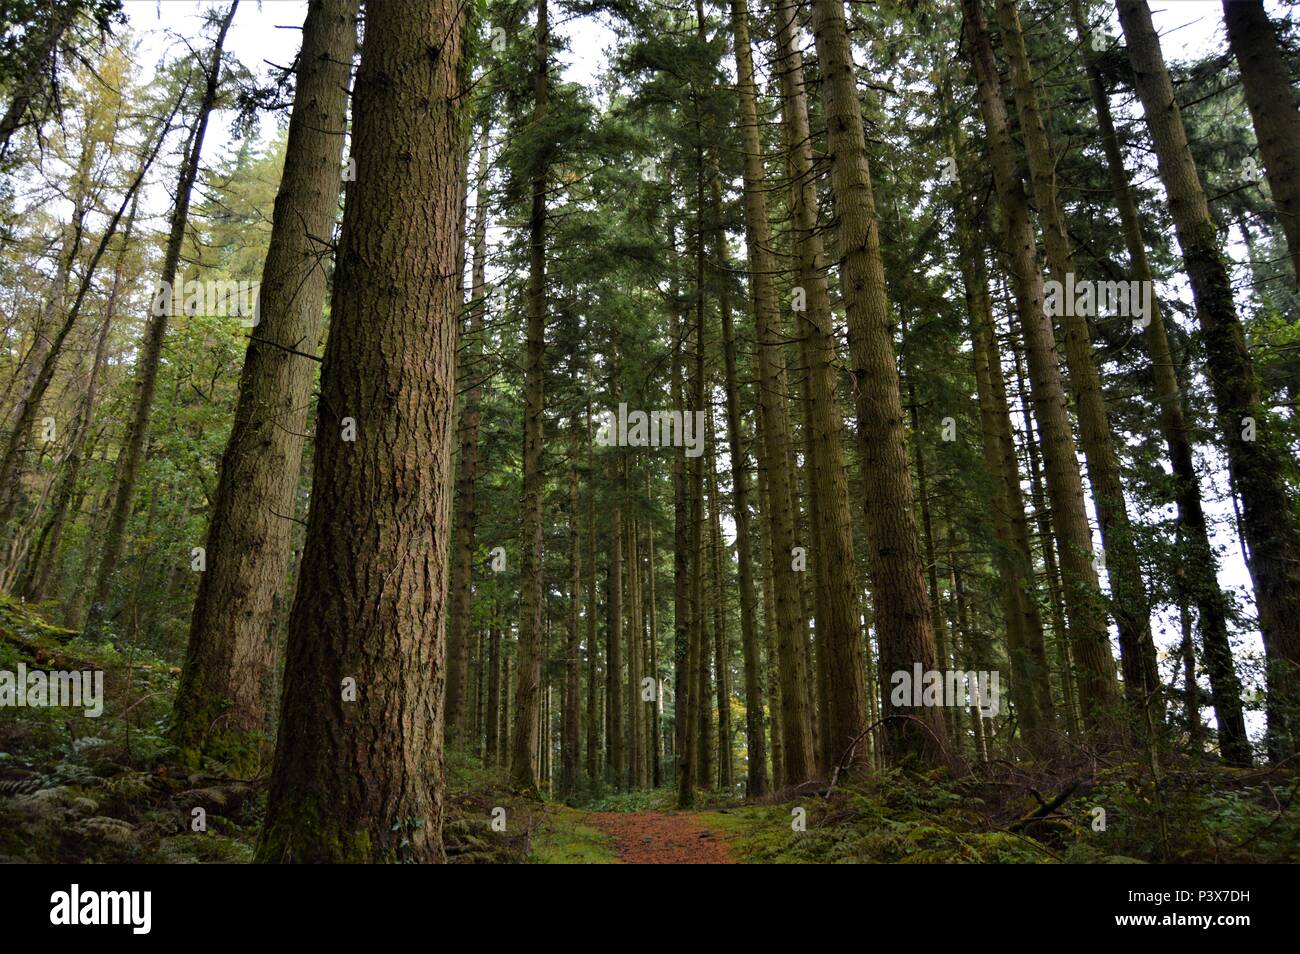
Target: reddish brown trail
662	838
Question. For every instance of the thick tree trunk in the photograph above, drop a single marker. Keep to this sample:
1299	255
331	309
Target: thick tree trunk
769	612
359	759
492	715
221	704
903	621
1256	461
721	642
699	711
1272	100
523	773
656	743
503	748
682	590
615	752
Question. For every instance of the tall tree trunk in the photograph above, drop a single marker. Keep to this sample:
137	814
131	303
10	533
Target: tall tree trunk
492	715
1011	555
656	743
903	622
1271	98
755	740
570	743
721	643
769	611
1128	604
969	646
593	721
682	590
523	773
1096	667
1256	462
635	707
503	747
699	712
838	637
470	355
358	764
1198	578
615	752
1046	536
221	703
146	370
795	731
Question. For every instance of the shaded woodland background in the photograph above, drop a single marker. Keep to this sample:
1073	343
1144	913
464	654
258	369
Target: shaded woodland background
366	584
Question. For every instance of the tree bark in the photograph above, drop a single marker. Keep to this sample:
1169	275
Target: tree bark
468	458
570	754
593	720
635	708
615	751
221	704
795	728
755	740
523	773
1271	99
839	636
903	621
362	780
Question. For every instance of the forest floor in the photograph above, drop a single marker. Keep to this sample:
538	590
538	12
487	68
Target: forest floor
662	838
112	790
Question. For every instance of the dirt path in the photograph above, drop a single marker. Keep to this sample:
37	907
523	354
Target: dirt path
662	838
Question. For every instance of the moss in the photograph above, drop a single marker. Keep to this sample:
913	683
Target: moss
565	839
195	728
298	834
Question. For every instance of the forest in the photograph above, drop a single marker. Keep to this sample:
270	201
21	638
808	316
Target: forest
649	431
